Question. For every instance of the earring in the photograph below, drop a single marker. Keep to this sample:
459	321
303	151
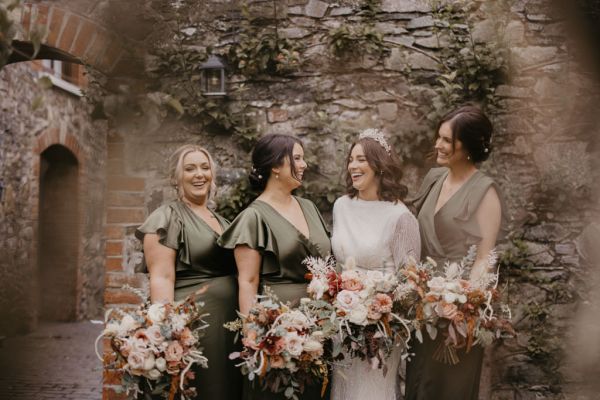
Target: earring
469	158
276	176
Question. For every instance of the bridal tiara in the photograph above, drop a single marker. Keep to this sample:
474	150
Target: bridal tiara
377	136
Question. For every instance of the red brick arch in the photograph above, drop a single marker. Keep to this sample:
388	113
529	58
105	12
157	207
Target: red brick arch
73	34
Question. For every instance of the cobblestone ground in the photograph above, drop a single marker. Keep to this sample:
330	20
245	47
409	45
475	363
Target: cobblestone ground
55	362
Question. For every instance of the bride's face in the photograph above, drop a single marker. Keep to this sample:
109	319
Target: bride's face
363	176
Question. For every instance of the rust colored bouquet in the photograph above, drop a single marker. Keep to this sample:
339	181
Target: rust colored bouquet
465	311
367	312
156	346
283	347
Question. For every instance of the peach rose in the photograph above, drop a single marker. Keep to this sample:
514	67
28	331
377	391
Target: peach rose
446	310
174	352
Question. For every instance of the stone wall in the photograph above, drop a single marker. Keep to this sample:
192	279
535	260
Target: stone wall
32	120
545	158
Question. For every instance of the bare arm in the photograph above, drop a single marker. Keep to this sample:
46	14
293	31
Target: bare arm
488	216
248	263
161	265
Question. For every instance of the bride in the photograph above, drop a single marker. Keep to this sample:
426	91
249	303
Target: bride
373	226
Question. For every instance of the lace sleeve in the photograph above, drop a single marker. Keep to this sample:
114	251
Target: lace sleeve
406	241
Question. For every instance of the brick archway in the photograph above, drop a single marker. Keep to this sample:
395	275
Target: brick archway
72	35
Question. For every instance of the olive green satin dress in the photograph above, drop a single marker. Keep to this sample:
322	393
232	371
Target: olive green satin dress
283	248
200	262
447	235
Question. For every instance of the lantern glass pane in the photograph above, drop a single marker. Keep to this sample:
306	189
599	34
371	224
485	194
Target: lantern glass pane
213	80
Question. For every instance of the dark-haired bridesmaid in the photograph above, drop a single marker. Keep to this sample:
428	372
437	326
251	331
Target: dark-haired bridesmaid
275	234
458	206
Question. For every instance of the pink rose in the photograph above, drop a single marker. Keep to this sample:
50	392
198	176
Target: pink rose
351	281
347	299
154	336
446	310
174	352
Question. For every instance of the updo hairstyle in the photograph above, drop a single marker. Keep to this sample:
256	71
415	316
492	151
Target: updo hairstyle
270	151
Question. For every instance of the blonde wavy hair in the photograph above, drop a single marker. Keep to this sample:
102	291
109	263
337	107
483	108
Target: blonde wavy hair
176	168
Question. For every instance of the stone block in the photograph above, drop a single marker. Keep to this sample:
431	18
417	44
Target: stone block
533	55
387	111
351	103
277	115
514	33
295	33
421	61
432	42
485	31
388	28
421	22
565	249
405	6
400	40
316	9
339	11
546	232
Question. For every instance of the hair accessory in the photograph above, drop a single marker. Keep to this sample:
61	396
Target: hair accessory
377	136
485	150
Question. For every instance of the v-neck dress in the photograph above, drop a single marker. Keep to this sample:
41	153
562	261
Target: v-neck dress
283	248
447	235
200	262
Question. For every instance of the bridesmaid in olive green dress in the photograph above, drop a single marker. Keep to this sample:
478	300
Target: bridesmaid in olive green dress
275	234
182	256
458	206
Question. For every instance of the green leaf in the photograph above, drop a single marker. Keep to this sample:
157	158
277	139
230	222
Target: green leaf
45	82
176	105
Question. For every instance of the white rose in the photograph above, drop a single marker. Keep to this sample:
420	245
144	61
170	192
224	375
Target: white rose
149	361
128	323
347	299
437	284
153	374
313	346
358	315
156	313
294	343
161	364
317	288
136	360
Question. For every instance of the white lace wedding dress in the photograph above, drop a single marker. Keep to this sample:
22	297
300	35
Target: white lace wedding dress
372	232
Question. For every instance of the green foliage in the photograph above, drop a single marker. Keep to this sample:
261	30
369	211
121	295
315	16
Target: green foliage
262	50
7	29
472	71
355	40
238	197
516	256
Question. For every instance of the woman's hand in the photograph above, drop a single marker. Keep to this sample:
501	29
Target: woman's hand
161	265
248	264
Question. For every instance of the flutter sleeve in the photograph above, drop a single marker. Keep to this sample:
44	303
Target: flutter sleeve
406	240
249	228
164	222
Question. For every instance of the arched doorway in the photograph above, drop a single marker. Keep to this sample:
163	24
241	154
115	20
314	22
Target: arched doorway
59	235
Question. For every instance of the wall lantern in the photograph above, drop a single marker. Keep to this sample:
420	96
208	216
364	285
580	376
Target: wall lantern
213	77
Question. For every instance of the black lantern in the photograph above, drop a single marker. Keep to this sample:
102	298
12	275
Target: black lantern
213	77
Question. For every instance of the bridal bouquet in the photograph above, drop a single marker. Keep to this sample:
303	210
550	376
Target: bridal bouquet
367	309
283	347
156	345
466	312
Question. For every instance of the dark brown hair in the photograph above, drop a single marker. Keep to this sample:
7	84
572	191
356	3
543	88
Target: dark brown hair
270	151
473	128
386	167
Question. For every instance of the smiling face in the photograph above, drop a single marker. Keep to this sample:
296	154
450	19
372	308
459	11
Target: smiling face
286	176
196	177
448	155
362	174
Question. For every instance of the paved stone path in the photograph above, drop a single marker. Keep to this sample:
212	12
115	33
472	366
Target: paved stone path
55	362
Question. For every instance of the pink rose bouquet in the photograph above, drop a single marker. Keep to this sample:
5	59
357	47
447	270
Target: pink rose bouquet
283	347
367	317
156	345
